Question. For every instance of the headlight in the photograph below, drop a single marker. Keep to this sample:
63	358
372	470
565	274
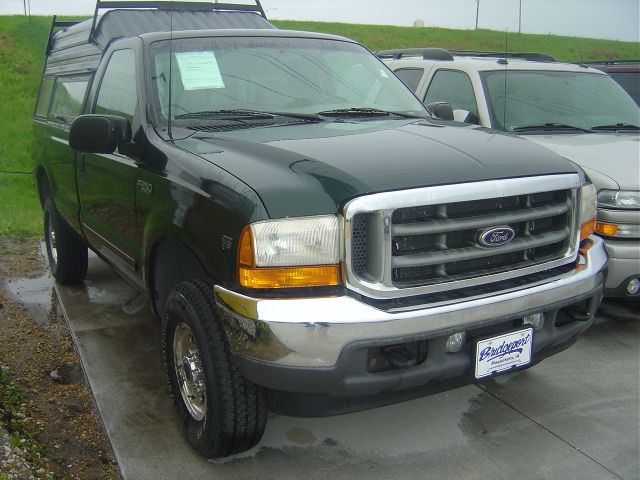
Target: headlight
588	210
291	252
624	199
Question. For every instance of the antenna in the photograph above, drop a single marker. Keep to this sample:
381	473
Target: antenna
506	65
170	71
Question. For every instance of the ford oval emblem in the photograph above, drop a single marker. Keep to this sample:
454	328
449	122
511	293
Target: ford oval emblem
494	237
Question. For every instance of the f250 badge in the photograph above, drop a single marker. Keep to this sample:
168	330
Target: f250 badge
496	236
144	187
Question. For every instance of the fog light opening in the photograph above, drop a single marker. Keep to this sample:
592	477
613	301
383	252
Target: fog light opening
456	342
633	286
536	320
397	356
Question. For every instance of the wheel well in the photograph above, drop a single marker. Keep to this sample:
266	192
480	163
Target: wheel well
44	186
172	261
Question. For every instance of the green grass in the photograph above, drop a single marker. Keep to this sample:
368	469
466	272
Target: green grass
20	212
21	55
23	41
380	37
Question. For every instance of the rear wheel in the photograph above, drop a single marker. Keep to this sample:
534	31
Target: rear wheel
66	252
221	412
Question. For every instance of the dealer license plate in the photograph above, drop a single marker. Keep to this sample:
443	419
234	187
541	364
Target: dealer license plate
504	352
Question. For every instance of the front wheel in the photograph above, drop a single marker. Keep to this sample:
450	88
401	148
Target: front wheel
66	252
221	412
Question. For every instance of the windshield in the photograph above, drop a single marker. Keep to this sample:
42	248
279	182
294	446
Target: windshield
630	81
520	99
217	78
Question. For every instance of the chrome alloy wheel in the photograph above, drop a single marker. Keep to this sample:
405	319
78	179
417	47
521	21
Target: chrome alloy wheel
53	246
189	372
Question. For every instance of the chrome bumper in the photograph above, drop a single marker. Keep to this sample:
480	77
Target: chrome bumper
312	332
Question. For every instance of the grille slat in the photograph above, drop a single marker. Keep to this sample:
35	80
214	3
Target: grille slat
471	253
443	226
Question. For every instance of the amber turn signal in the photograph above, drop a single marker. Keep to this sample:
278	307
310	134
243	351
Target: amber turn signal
608	229
245	249
587	228
290	277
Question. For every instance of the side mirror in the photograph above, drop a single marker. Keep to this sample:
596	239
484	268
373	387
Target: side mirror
465	116
441	110
99	133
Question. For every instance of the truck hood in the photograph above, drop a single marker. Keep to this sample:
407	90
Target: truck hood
313	168
611	160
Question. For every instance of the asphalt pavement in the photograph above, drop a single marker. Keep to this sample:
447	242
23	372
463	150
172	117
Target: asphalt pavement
573	416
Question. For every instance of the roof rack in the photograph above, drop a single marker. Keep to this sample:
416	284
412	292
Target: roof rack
530	56
425	53
607	62
170	5
432	53
55	24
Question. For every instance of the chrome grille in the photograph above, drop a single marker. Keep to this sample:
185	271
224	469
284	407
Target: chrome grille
427	240
444	246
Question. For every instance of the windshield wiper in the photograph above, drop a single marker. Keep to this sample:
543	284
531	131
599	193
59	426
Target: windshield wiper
616	127
252	114
366	112
549	127
226	114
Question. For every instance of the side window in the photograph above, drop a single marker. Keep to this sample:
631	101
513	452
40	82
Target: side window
118	95
68	96
410	77
44	99
452	87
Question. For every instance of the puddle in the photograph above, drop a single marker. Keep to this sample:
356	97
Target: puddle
36	294
301	436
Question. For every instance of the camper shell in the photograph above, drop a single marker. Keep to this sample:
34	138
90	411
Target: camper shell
79	46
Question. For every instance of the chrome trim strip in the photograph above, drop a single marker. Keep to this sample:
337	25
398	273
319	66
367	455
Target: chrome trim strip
60	140
443	226
383	205
460	192
311	332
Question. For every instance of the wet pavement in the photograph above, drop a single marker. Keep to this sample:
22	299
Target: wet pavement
574	416
36	294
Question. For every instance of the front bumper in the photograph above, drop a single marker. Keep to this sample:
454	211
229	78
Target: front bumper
320	345
624	265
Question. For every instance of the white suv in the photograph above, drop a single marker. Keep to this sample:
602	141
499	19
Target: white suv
576	111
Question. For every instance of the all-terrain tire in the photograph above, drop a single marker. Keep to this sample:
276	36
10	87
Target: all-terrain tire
234	414
66	252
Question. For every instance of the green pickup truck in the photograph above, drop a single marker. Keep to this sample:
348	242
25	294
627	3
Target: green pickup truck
311	238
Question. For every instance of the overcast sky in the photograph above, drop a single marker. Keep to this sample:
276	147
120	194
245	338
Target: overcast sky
612	19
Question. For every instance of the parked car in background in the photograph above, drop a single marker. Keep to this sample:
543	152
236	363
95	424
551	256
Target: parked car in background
625	72
574	110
